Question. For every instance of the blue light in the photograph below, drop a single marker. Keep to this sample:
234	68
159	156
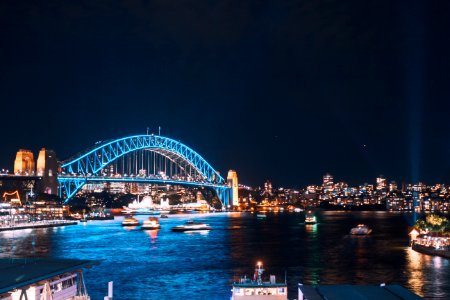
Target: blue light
93	161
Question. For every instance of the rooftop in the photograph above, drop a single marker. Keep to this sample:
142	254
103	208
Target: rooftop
357	292
16	273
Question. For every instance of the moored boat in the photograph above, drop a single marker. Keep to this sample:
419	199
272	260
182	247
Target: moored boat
191	226
361	229
310	218
130	221
151	223
256	288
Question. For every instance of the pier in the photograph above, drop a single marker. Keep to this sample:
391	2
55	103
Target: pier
37	224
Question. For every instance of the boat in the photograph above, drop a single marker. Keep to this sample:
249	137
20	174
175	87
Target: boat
261	216
257	288
151	223
130	221
310	218
191	226
163	216
361	229
83	220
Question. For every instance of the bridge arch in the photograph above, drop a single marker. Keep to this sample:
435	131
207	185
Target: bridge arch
78	170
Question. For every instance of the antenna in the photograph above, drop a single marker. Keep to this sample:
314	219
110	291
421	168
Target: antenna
159	130
147	130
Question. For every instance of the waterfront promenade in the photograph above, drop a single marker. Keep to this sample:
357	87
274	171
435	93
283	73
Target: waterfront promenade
37	224
443	252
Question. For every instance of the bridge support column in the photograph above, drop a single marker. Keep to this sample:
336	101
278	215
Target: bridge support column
224	194
69	187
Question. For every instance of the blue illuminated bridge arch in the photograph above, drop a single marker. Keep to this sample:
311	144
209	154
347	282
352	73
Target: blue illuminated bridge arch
88	166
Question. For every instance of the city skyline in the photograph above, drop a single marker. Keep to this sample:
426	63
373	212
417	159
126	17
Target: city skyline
286	92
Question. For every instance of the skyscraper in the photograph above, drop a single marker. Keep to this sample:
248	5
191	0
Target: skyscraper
268	188
328	183
381	183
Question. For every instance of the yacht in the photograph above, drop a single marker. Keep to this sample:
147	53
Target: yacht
151	223
256	288
310	218
361	229
191	226
130	221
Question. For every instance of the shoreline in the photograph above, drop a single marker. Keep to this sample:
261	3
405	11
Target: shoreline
38	225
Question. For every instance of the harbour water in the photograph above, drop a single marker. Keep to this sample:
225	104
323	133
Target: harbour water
202	265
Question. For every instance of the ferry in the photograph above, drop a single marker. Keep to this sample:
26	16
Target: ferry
130	221
261	216
310	218
361	229
151	223
256	288
191	226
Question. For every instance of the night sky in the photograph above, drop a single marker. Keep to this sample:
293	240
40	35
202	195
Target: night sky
279	90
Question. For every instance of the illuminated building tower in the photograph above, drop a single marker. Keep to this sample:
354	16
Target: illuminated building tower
327	182
24	163
232	180
268	188
381	183
47	167
392	186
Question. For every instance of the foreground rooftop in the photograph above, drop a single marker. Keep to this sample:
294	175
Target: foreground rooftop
355	292
16	273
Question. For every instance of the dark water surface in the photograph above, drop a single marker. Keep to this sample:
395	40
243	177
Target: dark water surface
166	265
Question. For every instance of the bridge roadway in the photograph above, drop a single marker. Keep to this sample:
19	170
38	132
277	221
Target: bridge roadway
11	177
101	179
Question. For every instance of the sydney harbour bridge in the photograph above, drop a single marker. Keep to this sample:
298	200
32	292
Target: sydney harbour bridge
151	159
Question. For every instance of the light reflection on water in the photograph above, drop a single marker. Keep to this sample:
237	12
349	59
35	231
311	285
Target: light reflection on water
152	264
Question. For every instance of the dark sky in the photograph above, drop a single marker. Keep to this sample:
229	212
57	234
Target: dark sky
280	90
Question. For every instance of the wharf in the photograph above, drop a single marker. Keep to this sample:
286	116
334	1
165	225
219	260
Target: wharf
431	251
38	224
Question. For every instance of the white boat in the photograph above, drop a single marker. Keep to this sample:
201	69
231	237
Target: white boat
151	223
130	221
261	216
191	226
310	218
361	229
257	288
